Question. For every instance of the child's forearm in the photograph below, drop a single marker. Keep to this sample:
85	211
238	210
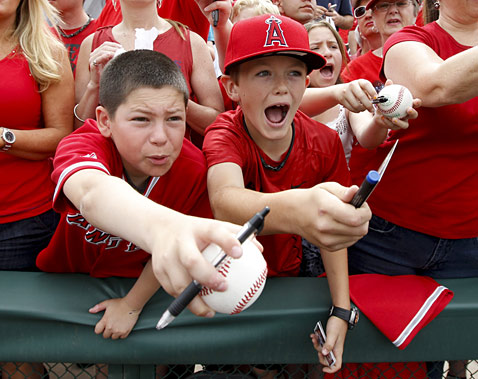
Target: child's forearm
317	100
143	289
335	264
236	205
368	129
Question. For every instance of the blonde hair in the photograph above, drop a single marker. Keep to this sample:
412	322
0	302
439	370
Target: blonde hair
179	27
260	7
38	44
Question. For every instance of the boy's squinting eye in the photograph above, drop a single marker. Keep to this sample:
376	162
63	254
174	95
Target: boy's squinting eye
140	119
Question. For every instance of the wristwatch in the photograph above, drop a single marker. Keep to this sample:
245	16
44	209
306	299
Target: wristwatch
8	137
351	316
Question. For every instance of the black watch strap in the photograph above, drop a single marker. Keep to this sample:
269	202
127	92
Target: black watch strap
350	316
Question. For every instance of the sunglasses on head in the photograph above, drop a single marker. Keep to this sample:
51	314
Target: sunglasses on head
359	12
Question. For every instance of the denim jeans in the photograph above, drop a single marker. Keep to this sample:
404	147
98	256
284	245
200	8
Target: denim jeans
393	250
311	265
21	241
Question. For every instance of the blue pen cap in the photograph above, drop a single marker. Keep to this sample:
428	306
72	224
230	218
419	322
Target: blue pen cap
373	177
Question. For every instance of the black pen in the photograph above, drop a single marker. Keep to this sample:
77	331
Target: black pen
379	100
254	225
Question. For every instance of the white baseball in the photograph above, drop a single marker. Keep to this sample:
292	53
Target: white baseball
399	100
245	276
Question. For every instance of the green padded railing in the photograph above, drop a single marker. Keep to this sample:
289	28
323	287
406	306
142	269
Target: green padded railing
44	318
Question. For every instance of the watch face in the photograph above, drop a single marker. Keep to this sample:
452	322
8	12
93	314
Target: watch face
9	137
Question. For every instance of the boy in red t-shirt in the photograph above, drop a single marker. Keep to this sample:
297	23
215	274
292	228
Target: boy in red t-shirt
266	152
123	183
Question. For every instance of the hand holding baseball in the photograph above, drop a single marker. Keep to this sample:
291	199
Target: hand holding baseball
245	277
398	102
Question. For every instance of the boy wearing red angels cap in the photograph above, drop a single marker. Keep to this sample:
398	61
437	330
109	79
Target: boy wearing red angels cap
266	152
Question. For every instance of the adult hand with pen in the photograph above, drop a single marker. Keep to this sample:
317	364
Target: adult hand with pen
222	28
216	11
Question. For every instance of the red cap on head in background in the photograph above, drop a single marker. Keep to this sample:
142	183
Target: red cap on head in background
268	35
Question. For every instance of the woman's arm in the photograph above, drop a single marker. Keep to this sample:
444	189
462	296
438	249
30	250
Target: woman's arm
436	81
57	109
87	81
205	86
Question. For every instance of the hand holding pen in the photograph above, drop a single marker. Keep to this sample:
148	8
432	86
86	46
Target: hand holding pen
253	226
215	16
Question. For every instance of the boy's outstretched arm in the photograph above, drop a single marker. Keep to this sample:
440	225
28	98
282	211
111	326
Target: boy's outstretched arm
122	314
174	240
320	214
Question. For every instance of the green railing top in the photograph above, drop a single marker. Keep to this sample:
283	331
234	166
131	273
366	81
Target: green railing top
44	317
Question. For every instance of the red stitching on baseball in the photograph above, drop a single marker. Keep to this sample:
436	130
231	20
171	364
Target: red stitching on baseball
256	286
223	269
401	91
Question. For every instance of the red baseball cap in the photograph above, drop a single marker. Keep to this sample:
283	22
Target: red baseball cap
270	35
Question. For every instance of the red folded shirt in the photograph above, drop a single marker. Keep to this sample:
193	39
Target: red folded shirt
399	306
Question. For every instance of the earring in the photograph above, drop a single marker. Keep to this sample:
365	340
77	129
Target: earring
159	3
114	5
436	4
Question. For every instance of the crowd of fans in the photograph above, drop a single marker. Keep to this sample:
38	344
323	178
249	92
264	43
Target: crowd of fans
102	153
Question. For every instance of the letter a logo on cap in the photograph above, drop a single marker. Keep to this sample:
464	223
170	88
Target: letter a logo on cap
274	32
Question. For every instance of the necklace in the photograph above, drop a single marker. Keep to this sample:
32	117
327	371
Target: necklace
62	33
264	164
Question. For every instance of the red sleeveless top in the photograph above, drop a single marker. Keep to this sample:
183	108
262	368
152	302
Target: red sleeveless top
169	43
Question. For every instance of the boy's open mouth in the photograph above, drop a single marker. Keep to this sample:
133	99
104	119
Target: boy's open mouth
277	113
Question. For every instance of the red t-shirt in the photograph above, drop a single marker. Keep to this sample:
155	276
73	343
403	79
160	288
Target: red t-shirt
431	183
184	11
73	43
25	185
317	156
77	246
366	66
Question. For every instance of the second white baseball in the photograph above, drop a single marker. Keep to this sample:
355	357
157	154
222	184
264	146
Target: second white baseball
245	276
399	99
